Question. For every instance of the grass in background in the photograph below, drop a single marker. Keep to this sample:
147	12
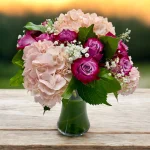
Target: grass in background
8	70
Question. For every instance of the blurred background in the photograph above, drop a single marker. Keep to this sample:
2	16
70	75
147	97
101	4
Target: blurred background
132	14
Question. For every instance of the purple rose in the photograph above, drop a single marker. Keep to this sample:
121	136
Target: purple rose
66	36
110	34
34	36
26	40
85	69
95	48
125	65
45	36
122	47
42	37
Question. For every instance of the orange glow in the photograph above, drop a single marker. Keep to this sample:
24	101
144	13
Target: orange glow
139	9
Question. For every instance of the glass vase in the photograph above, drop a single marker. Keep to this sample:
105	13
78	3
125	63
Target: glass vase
73	120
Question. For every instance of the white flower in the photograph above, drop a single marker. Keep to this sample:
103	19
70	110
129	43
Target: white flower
87	55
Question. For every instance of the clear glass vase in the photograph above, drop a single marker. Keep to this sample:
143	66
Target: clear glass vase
73	120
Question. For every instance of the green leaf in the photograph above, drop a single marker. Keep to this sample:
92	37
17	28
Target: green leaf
17	59
17	80
109	83
71	86
116	95
111	45
65	102
85	33
32	26
46	109
92	95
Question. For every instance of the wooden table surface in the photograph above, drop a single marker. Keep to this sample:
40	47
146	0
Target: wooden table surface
123	126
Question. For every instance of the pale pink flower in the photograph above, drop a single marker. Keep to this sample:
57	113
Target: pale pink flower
74	19
47	72
130	82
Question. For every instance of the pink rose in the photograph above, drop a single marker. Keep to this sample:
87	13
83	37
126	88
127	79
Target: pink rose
95	48
125	64
85	69
66	36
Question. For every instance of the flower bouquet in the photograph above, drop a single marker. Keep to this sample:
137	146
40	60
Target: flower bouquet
75	59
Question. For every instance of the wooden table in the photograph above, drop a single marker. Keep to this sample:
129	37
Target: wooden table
123	126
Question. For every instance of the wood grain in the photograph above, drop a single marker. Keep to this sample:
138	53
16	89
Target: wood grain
125	125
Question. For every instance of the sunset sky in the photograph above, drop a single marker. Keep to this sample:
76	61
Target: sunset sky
139	9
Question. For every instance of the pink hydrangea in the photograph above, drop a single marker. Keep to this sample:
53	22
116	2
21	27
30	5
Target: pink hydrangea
74	19
129	83
46	72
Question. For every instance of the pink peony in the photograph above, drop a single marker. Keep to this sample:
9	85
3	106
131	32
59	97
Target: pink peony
95	48
66	36
74	19
85	69
46	72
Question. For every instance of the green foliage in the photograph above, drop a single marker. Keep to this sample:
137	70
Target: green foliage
93	95
108	82
71	86
65	102
17	80
85	33
96	92
110	47
116	95
17	59
32	26
46	109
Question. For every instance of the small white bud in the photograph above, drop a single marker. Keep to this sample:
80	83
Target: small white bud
61	45
107	64
19	36
48	29
70	59
118	75
56	42
87	55
113	64
83	51
109	74
74	41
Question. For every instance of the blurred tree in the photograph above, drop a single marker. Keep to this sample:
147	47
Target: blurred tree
12	26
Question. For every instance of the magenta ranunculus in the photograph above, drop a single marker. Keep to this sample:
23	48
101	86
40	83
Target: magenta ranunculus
125	65
26	40
66	36
95	48
85	69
